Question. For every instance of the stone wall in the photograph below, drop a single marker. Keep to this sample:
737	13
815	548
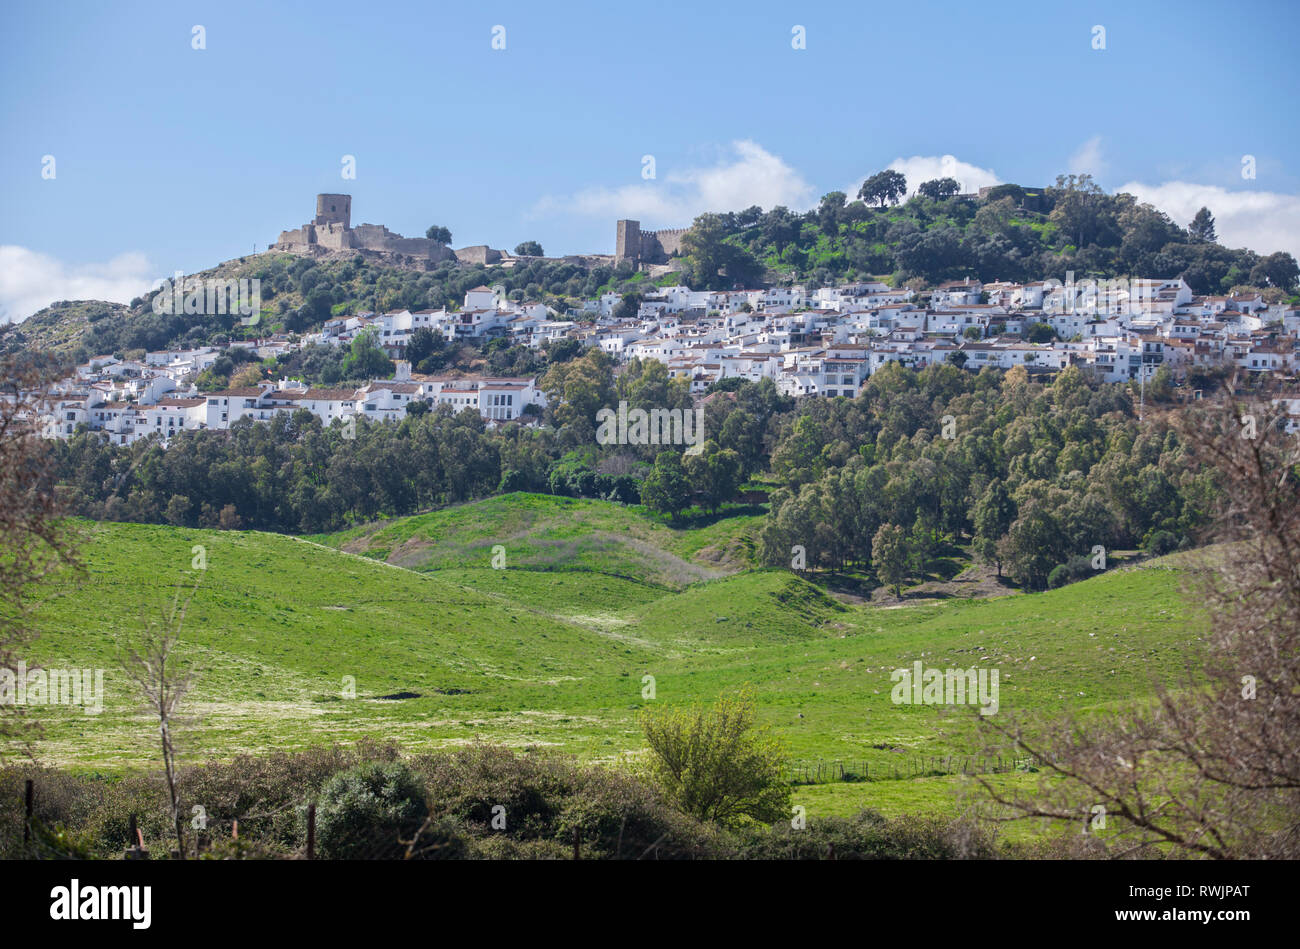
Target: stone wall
646	247
478	254
331	230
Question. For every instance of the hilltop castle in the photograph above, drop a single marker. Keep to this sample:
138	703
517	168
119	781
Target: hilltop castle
646	247
331	231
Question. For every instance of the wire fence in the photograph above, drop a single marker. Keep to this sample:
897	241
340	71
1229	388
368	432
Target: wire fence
912	766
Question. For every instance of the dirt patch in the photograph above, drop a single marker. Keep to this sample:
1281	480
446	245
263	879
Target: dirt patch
976	582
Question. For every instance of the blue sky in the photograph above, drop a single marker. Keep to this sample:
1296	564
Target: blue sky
167	157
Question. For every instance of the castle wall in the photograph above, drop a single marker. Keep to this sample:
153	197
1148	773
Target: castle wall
648	247
670	241
333	236
478	254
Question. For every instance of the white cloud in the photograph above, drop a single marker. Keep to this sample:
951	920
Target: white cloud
30	281
921	168
1088	160
1264	221
750	175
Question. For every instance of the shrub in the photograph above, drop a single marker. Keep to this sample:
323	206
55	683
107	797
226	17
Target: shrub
546	798
1158	543
1075	569
366	811
869	836
264	792
716	765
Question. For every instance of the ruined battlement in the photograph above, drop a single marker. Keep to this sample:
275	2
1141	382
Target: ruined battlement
331	230
646	247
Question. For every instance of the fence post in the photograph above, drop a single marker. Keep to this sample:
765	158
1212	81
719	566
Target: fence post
311	831
27	821
135	851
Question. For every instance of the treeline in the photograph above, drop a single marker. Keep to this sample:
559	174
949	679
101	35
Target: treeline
289	474
1009	234
1031	476
295	474
1034	476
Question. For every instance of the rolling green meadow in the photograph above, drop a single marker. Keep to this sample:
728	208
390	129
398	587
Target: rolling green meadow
553	649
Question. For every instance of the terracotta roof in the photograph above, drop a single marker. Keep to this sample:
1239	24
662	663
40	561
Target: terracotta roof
330	395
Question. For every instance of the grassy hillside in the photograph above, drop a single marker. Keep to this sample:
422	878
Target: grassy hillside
557	534
60	328
531	658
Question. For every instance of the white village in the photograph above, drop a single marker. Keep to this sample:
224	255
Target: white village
811	343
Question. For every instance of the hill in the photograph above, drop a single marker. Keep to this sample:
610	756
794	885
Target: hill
528	657
298	294
557	534
1005	233
62	328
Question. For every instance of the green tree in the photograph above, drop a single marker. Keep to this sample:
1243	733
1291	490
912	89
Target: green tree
1034	544
829	211
1080	209
1276	270
366	360
667	489
779	227
890	555
886	186
1039	333
714	263
1201	230
423	343
628	307
993	515
530	249
718	764
438	233
715	473
580	388
939	188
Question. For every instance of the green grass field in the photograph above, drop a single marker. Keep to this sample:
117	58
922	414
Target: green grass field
554	649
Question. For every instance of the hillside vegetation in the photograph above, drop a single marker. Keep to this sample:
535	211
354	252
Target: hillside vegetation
454	652
1010	233
558	534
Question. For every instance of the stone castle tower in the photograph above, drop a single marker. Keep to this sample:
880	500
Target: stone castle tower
646	247
331	231
334	209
